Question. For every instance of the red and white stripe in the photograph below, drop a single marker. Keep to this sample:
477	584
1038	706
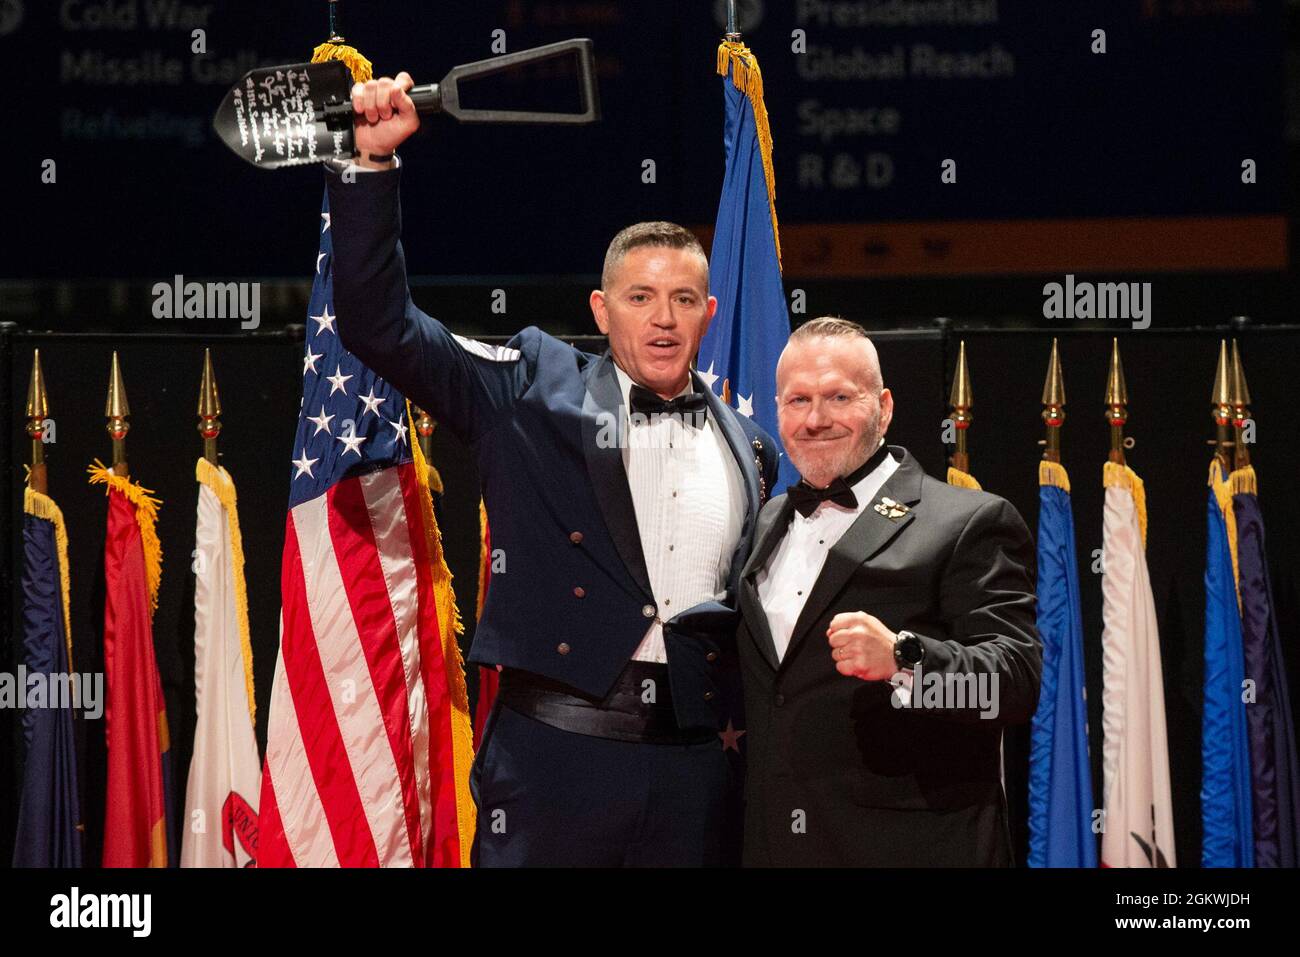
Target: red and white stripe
359	764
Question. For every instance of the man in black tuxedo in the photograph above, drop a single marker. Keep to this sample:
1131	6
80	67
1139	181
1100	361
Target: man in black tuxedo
888	637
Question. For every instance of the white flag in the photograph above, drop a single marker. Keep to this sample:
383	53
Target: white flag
1139	819
220	825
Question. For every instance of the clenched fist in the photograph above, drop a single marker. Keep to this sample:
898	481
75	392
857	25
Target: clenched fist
385	116
862	646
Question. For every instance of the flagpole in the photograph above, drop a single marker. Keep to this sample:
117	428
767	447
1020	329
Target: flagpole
424	426
209	409
733	31
38	410
961	400
1221	411
1240	397
116	411
1053	407
1116	404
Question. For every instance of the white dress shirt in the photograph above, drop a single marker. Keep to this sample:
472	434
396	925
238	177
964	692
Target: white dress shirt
796	563
687	494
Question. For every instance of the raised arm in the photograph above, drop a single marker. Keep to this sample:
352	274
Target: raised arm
463	384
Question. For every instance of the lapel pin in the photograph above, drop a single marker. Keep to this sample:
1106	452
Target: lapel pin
890	509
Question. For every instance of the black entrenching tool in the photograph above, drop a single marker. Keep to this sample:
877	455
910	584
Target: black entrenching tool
302	113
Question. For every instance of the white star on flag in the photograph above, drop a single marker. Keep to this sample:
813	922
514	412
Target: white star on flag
336	380
326	217
352	441
319	257
709	377
372	403
322	422
304	465
309	361
745	406
326	321
401	428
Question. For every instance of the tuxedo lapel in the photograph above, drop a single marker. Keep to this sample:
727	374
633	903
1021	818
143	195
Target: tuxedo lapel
771	529
603	431
872	532
724	419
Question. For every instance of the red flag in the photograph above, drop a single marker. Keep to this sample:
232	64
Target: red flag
139	780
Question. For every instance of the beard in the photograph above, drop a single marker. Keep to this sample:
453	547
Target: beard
821	469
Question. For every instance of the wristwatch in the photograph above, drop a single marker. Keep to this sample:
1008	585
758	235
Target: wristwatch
908	650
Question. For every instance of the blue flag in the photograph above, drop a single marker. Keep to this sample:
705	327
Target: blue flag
1225	754
738	355
1060	779
50	814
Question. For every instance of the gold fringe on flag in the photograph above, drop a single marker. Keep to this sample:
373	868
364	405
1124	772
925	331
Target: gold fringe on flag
749	80
1223	490
146	517
1121	476
39	505
462	729
1053	473
362	69
218	480
482	558
1243	482
960	479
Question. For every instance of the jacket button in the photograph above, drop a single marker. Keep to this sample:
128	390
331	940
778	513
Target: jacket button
780	700
708	696
711	657
575	537
579	592
562	647
648	611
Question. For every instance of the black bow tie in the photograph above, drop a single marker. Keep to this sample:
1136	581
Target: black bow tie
805	498
644	401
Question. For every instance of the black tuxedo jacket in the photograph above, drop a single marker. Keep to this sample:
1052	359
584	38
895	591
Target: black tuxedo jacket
836	774
575	599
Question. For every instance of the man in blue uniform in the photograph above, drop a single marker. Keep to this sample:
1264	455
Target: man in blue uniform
624	495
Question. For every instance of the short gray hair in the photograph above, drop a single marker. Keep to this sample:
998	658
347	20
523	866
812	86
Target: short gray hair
828	327
833	327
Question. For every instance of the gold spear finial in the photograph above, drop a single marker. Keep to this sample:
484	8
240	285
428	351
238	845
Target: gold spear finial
961	399
424	426
1239	395
116	410
37	411
1116	403
1221	409
209	409
1053	405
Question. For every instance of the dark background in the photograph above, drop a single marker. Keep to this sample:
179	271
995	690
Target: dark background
1139	139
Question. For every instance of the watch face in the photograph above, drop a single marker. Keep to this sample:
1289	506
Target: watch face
910	649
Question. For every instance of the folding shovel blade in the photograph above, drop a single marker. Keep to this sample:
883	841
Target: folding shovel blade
289	115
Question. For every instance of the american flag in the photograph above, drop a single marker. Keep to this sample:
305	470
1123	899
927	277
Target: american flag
369	743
